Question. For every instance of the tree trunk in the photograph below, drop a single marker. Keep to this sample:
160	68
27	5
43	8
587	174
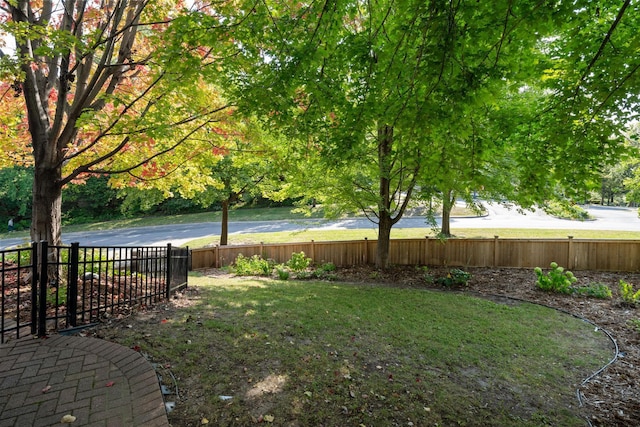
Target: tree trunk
384	240
224	228
46	83
46	213
385	222
448	200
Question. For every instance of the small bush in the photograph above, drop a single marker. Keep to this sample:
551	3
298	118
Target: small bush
566	210
305	275
426	275
627	293
325	271
556	280
324	275
328	267
282	274
298	262
456	277
254	266
594	290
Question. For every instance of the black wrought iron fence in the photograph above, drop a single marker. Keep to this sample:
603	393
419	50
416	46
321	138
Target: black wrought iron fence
47	288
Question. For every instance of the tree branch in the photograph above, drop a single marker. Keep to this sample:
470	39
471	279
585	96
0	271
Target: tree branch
600	51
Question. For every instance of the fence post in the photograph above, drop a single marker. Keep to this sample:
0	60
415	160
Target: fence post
72	285
425	253
313	251
366	251
570	263
42	280
169	272
34	287
495	251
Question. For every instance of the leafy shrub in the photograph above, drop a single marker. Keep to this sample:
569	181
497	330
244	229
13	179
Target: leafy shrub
426	275
328	267
594	290
325	271
566	210
627	293
254	266
556	280
455	277
282	274
298	261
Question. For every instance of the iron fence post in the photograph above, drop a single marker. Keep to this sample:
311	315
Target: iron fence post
43	277
34	287
169	272
72	285
187	266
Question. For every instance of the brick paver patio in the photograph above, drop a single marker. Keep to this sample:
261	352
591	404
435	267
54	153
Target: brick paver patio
98	382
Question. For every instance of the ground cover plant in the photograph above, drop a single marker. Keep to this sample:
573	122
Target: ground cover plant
628	294
298	353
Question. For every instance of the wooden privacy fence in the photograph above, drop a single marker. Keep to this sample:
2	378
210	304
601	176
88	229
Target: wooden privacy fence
577	254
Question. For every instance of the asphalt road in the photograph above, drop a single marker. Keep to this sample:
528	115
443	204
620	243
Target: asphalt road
606	218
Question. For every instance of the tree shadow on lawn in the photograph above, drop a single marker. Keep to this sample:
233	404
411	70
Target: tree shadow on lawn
245	351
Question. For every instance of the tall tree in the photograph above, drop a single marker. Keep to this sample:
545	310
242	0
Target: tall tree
241	161
103	94
339	71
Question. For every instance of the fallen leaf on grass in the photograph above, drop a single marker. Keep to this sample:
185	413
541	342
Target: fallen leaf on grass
204	421
268	418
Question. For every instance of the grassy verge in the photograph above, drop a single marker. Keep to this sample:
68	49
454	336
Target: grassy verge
409	233
313	353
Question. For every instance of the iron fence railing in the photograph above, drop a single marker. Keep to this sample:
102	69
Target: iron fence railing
45	287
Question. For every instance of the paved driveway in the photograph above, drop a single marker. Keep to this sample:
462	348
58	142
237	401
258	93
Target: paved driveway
606	218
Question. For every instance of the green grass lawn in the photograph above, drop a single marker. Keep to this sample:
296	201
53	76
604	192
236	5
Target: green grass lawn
409	233
294	353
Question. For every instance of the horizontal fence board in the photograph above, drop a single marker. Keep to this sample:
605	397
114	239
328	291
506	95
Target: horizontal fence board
578	254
